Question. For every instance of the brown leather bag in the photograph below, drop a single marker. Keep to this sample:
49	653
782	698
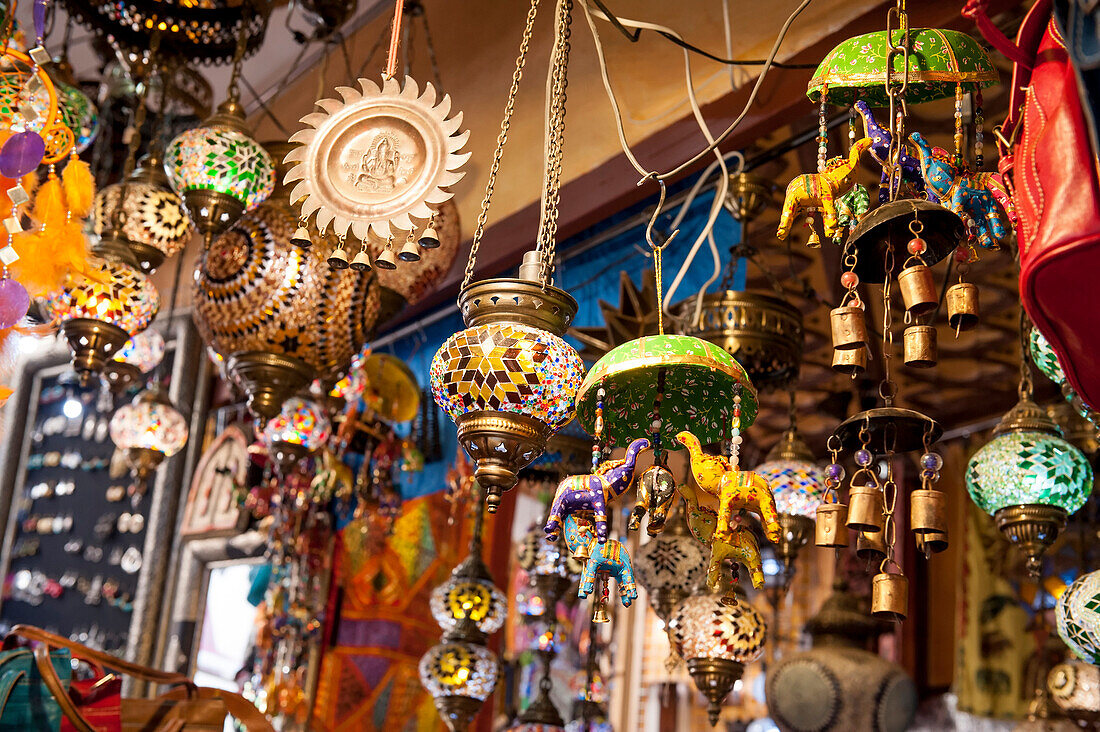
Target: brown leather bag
186	708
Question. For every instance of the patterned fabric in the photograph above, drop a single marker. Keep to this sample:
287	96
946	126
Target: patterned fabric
702	627
220	159
698	386
507	368
1028	467
938	60
1078	615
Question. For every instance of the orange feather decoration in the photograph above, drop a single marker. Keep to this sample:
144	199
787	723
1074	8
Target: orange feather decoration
79	187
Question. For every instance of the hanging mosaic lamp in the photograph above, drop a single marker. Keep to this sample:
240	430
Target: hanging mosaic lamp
137	357
77	110
460	673
219	170
1078	617
1074	687
469	593
798	485
541	715
1029	478
275	311
939	60
141	219
717	640
148	430
98	315
839	685
547	566
508	380
1046	360
693	378
670	565
300	429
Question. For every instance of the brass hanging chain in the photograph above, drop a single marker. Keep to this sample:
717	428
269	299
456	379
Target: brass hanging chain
233	92
896	94
556	84
502	138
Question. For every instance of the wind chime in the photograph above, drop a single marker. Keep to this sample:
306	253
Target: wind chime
929	203
508	380
378	163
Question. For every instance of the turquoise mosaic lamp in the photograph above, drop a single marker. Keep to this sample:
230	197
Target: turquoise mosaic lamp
1029	478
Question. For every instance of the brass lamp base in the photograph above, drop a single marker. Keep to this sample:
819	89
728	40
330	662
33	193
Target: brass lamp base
269	379
134	253
143	462
714	677
458	712
93	343
121	376
794	533
664	601
212	212
1032	527
501	444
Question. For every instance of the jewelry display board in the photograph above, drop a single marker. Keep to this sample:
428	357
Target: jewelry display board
80	556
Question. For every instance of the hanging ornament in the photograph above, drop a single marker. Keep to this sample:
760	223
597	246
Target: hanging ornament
469	593
300	429
137	357
669	566
717	640
459	673
148	430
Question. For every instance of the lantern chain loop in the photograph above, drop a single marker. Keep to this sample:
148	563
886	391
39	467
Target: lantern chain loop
502	139
557	81
887	389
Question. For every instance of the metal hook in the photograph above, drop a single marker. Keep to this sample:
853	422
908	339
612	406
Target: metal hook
656	214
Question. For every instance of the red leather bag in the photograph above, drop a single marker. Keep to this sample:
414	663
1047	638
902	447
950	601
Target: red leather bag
1049	165
99	701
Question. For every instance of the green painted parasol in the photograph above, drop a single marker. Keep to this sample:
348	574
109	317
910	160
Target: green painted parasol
698	388
938	61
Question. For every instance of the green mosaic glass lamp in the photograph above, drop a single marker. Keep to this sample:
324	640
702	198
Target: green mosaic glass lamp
217	168
1078	617
1029	478
939	61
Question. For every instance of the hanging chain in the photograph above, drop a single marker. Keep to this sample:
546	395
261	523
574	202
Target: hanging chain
1025	388
896	94
233	92
502	138
887	389
395	38
557	82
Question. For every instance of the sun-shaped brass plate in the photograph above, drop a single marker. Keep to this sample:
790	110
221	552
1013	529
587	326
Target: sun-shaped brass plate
380	161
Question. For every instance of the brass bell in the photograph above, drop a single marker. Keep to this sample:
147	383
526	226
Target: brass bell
583	552
829	525
601	612
409	251
889	596
361	263
962	306
338	259
850	361
849	327
928	511
865	508
920	346
430	238
932	543
871	546
386	260
918	289
301	237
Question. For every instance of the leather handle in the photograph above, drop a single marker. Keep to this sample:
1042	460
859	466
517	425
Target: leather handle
53	682
29	632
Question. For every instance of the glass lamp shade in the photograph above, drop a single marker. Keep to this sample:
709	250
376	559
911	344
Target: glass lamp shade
539	556
1044	357
150	422
938	61
462	597
301	423
218	157
798	486
459	669
670	565
147	213
1029	467
125	298
1078	617
144	350
79	114
703	627
507	367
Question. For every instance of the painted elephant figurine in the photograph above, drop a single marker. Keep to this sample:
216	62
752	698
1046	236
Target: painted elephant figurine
742	548
592	492
656	491
819	191
610	558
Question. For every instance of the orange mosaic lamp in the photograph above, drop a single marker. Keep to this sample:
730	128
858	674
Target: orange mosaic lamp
509	379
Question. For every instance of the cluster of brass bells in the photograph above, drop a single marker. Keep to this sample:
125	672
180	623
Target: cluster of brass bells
361	262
